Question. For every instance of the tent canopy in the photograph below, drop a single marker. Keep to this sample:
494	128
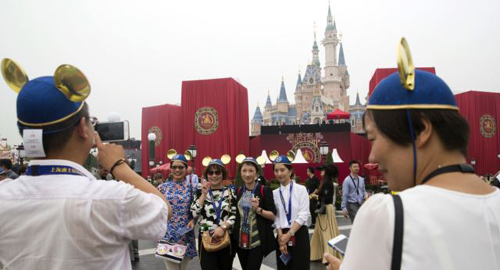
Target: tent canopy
338	114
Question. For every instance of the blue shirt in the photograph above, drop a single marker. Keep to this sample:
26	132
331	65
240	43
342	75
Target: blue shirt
353	190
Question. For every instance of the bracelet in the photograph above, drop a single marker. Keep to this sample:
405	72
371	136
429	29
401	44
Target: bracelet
118	162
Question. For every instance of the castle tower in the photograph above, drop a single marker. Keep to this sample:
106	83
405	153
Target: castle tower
256	122
267	111
282	104
334	87
298	97
344	75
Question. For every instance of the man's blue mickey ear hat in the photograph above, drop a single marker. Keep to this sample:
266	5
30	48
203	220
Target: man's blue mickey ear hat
411	89
46	102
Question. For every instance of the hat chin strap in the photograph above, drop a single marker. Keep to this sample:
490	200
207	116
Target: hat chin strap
412	133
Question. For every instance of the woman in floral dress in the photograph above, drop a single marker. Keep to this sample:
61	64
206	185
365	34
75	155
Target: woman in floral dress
179	193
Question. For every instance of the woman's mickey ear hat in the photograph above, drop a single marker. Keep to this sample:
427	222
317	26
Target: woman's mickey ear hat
411	89
225	159
282	159
45	102
173	156
259	161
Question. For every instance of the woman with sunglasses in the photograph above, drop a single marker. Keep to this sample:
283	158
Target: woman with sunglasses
253	231
179	193
215	207
292	219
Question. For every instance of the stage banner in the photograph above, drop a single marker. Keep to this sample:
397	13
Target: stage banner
308	143
164	121
482	111
215	119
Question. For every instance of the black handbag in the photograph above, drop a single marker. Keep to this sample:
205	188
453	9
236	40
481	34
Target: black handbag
321	208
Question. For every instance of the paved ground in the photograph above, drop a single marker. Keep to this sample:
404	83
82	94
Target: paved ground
149	262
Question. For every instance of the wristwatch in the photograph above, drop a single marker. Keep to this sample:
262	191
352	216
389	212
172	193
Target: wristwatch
291	233
259	211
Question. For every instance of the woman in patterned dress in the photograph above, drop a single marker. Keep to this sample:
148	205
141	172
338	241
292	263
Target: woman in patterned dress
212	197
253	231
179	193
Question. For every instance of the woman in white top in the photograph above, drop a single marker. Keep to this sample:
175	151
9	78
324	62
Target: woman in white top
451	219
293	235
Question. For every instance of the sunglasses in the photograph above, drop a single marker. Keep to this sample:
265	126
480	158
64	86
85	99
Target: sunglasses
214	172
93	120
178	167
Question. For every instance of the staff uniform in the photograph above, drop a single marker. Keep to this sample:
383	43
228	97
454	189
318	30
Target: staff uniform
300	214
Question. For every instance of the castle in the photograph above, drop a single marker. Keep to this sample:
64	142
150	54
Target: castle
315	95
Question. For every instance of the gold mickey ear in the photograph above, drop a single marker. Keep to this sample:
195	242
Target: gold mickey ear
188	155
14	75
290	155
225	159
171	153
406	68
240	158
205	161
261	160
72	83
273	155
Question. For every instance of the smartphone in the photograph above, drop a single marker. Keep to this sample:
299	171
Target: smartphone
286	258
113	131
339	243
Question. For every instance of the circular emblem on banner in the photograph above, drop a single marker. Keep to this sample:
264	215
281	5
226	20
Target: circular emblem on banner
206	120
309	150
157	131
487	126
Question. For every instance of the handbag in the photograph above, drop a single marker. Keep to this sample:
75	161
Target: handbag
321	208
170	252
212	245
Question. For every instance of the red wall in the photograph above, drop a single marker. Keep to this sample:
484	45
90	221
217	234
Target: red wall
381	73
473	105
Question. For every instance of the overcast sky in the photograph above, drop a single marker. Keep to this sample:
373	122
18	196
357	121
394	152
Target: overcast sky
137	53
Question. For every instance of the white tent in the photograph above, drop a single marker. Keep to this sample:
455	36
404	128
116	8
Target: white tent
264	154
335	156
299	158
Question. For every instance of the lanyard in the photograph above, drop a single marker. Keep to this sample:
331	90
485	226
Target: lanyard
355	186
464	168
289	212
36	170
218	211
246	210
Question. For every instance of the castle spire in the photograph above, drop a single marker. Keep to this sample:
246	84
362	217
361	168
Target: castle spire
299	83
358	103
257	116
268	101
341	56
282	97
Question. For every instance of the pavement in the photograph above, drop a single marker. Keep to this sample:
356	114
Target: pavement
149	262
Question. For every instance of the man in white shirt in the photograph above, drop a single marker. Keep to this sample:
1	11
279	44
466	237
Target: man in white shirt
58	216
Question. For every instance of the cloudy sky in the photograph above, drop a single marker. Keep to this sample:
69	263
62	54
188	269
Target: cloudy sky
137	53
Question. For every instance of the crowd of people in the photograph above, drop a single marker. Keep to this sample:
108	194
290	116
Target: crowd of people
59	216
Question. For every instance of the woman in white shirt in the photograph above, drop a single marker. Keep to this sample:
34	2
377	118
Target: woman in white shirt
450	218
292	218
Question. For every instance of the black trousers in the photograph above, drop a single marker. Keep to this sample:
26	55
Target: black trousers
312	209
353	208
301	252
218	260
250	259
